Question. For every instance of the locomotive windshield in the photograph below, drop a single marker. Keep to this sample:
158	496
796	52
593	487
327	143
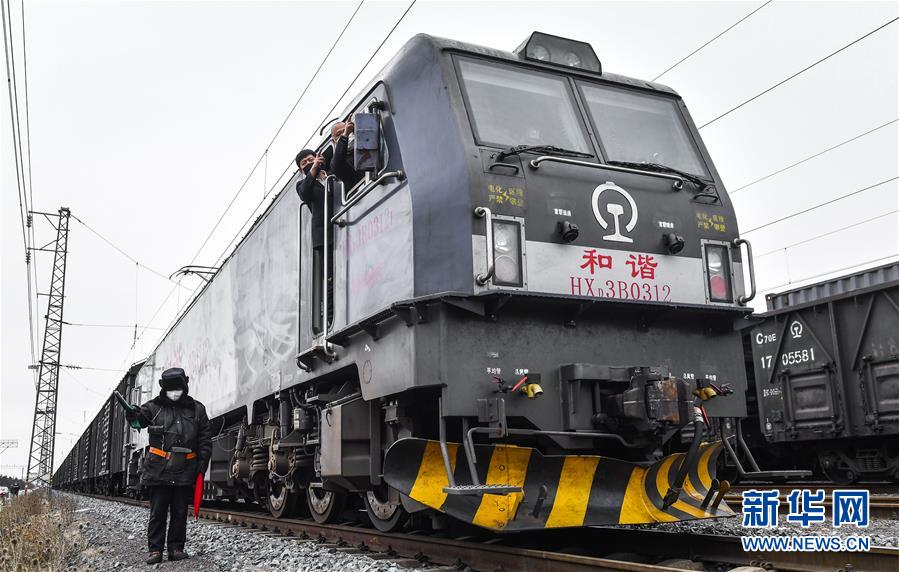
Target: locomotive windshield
510	106
641	128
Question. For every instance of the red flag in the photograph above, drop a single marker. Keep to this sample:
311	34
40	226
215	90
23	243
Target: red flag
198	495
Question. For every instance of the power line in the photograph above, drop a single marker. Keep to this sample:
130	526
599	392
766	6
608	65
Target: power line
800	72
819	205
79	382
321	124
834	231
125	254
882	258
70	366
375	53
285	171
9	53
28	150
810	157
265	153
77	324
726	30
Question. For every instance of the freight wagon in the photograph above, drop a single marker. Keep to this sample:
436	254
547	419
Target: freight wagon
825	360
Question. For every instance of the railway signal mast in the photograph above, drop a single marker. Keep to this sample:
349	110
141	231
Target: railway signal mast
43	438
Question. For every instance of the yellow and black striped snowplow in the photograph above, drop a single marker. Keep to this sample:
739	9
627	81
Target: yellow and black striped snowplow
552	491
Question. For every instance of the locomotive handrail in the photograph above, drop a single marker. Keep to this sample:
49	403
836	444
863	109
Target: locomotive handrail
484	212
743	299
399	175
677	185
326	345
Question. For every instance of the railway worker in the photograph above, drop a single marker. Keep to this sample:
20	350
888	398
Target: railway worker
312	192
180	447
342	164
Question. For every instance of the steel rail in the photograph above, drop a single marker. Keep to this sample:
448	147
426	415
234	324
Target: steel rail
481	555
424	549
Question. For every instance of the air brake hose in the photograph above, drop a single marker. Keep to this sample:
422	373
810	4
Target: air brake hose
688	461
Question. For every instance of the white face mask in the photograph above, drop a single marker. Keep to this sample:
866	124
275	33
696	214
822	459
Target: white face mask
174	395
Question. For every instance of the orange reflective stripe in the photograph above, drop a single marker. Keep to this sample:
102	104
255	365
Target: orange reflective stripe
168	455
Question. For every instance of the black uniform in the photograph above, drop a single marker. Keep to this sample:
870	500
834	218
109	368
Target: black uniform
180	448
342	165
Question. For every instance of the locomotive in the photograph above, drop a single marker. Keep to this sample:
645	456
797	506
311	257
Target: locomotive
532	289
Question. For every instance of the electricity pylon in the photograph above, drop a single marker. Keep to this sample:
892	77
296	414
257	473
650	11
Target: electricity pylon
43	432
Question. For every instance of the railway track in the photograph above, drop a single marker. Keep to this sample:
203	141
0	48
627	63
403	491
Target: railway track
548	551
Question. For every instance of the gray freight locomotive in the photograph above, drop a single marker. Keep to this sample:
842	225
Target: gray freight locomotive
538	268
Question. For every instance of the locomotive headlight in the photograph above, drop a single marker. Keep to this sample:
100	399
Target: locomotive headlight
718	270
507	253
558	51
538	52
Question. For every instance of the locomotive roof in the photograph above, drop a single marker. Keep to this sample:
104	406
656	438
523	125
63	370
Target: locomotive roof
457	46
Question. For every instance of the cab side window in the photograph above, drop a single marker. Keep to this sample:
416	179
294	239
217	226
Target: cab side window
365	124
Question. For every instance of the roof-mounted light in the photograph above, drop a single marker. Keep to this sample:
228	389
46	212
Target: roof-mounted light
559	51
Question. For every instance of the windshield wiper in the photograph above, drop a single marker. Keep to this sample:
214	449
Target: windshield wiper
659	168
542	150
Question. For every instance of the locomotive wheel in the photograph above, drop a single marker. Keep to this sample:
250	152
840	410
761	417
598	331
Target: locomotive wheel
840	476
325	506
386	516
836	474
281	501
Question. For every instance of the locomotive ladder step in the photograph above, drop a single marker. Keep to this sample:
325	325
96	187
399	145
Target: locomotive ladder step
481	489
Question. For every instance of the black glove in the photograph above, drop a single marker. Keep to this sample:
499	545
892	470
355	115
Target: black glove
133	417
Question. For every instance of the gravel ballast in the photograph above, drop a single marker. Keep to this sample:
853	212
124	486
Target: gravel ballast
116	538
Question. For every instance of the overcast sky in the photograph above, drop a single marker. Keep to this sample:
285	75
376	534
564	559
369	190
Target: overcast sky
146	117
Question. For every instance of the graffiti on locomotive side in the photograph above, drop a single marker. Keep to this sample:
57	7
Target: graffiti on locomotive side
636	266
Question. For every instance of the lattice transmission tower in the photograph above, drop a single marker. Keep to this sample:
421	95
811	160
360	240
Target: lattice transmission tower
43	432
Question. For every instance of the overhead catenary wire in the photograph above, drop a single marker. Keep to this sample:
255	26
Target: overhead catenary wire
810	157
84	325
828	233
9	53
264	155
85	367
123	253
819	205
286	169
327	115
797	74
277	132
37	327
829	272
703	46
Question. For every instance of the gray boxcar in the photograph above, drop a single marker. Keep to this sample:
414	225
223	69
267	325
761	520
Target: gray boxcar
826	363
